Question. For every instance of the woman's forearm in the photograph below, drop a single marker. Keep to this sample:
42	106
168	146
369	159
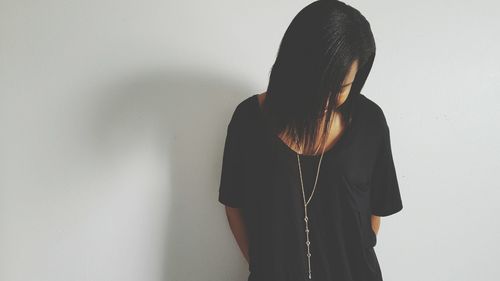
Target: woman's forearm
375	223
238	228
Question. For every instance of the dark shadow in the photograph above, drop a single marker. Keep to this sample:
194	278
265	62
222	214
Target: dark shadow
183	115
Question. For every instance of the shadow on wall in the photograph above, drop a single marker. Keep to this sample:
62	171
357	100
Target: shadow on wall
183	117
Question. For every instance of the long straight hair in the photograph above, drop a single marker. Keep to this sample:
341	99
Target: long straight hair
315	54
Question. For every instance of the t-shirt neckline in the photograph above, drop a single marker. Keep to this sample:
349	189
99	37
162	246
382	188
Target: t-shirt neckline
289	149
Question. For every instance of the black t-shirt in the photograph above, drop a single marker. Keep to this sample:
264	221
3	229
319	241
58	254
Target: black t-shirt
357	178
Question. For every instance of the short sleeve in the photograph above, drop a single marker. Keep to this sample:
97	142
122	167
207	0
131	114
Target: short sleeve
231	184
385	193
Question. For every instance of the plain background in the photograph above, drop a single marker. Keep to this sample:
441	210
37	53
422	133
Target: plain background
113	116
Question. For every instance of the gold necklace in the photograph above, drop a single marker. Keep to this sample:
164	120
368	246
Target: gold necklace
306	218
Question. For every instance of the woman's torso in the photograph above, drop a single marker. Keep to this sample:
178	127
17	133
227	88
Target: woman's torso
341	237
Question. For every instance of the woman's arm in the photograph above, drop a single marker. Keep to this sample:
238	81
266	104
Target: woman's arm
375	223
238	229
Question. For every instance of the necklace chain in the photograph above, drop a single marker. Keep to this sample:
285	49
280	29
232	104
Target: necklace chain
306	218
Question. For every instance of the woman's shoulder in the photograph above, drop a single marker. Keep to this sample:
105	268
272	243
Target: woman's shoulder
243	112
371	111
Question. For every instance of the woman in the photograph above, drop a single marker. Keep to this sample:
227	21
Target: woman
307	168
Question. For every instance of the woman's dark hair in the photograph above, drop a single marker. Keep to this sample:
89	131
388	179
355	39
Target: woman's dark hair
314	57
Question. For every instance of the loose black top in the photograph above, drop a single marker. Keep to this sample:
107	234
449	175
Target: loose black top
357	178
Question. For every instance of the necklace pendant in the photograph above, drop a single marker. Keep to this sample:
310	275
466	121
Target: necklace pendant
308	243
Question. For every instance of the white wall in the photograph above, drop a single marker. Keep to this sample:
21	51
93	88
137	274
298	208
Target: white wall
113	116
